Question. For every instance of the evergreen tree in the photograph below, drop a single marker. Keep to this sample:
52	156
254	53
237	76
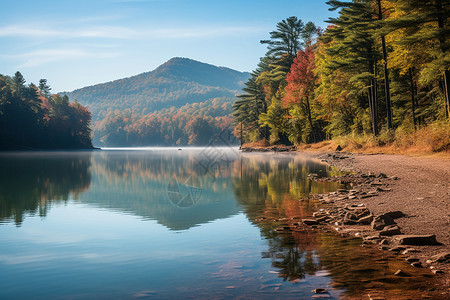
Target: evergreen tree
425	22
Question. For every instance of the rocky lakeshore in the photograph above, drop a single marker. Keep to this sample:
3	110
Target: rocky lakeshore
394	203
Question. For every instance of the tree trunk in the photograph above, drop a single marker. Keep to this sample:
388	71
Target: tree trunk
373	90
413	104
386	74
442	40
447	91
308	108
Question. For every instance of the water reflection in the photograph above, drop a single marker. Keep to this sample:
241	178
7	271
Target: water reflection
171	187
30	183
269	191
175	189
273	196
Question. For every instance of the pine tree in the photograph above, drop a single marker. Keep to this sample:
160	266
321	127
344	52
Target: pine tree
425	22
353	48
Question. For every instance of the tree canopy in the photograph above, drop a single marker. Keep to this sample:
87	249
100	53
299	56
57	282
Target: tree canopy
380	65
32	118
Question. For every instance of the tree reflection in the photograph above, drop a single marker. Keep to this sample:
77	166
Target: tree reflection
31	182
270	192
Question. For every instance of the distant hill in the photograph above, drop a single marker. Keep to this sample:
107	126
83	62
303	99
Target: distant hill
177	82
182	102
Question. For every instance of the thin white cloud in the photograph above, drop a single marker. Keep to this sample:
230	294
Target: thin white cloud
113	32
200	32
42	57
117	32
25	31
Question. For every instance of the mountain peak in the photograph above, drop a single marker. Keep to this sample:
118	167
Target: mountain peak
177	82
203	73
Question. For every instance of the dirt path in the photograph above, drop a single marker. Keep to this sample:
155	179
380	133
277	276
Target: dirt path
422	193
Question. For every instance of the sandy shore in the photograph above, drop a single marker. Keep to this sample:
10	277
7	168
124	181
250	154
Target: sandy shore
422	192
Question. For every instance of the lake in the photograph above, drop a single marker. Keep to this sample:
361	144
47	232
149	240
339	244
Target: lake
163	223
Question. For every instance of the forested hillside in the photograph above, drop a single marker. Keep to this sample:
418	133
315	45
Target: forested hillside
32	118
379	73
181	102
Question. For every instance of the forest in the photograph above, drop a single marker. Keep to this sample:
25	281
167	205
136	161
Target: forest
378	72
192	124
31	117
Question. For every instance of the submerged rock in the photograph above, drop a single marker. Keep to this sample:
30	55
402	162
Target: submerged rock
319	291
310	222
397	249
411	259
417	264
401	273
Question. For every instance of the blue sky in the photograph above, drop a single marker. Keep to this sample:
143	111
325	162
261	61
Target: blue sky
78	43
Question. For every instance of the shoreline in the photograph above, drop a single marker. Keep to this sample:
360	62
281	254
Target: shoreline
415	190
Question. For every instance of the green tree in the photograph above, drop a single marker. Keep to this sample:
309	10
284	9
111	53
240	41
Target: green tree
19	83
44	88
425	22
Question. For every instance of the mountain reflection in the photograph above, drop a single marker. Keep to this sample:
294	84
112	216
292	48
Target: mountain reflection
178	189
31	182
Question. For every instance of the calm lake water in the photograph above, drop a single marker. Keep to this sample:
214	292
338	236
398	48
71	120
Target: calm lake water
169	224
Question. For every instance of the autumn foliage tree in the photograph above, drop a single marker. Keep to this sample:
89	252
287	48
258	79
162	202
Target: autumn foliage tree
381	67
299	96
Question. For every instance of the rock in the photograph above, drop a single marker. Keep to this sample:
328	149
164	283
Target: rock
390	230
366	220
351	197
350	216
441	257
417	264
401	273
410	250
405	239
319	214
384	242
435	271
342	191
363	196
349	222
372	238
382	175
397	249
319	291
395	214
411	259
338	148
381	189
310	222
321	219
382	221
